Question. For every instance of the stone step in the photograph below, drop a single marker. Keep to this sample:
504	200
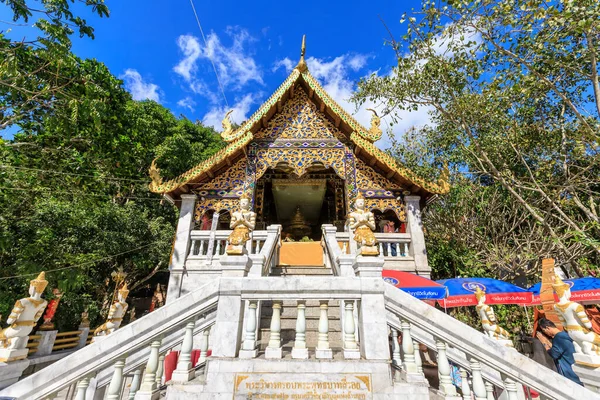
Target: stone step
287	270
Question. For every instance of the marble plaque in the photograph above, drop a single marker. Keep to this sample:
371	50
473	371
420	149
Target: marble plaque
301	386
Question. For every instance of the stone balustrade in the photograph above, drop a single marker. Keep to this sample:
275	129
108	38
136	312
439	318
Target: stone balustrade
208	244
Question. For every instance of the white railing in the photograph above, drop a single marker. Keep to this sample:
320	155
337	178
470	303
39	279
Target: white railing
393	246
211	244
379	306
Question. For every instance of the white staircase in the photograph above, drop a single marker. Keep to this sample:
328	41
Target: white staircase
369	309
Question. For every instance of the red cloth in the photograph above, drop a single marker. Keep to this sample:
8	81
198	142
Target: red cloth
195	356
170	364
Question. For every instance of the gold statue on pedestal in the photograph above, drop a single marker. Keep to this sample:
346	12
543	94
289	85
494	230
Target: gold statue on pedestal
577	324
362	223
115	314
23	317
242	223
488	320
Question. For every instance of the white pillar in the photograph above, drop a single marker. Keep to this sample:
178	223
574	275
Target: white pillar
82	386
149	389
161	369
446	385
300	351
204	345
417	237
116	383
249	349
396	360
511	389
350	347
135	384
323	350
408	349
181	247
418	360
466	389
489	388
478	384
184	371
273	349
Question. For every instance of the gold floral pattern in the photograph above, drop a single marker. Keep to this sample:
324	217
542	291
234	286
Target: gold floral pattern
299	160
367	178
217	205
231	180
387	204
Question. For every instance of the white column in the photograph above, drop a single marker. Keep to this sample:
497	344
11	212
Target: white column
204	345
148	389
323	350
489	388
350	347
135	384
408	349
414	226
273	349
418	360
446	385
249	349
116	383
181	247
478	384
466	389
396	360
511	389
161	369
184	371
82	386
300	351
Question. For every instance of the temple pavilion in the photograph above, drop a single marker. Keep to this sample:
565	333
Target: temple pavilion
302	160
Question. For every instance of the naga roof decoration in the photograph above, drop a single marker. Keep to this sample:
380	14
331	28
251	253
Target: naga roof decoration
239	138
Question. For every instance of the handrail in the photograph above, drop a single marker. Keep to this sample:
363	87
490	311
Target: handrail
332	248
129	339
272	242
507	361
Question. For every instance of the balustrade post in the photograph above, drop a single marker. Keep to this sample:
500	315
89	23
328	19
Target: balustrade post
149	389
135	384
181	246
273	349
184	371
446	385
489	388
161	369
323	350
204	345
350	347
478	384
511	389
414	226
396	360
418	360
249	349
466	389
408	349
300	351
116	383
82	386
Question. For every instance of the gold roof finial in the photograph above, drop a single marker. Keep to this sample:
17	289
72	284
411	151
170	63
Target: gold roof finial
479	293
302	63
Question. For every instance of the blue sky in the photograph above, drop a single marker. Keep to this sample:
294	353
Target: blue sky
157	49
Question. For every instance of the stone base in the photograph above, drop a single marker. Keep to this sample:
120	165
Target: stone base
8	355
183	376
369	266
235	265
505	342
154	395
273	353
412	377
351	354
324	353
300	354
11	372
587	360
369	251
238	250
590	376
248	353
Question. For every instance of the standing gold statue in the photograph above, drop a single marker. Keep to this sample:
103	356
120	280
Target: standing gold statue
242	223
362	223
115	314
25	314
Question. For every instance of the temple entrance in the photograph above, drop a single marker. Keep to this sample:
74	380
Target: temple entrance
300	205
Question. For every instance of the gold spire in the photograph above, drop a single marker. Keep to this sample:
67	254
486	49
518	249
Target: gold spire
39	283
559	286
124	291
479	293
302	64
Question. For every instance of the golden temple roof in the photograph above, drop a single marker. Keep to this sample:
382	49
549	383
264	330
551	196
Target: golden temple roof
361	137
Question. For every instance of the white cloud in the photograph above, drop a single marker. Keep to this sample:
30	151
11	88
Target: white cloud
139	89
454	35
187	103
235	65
335	79
286	63
241	111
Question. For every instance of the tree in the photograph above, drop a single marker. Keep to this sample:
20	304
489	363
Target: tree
513	90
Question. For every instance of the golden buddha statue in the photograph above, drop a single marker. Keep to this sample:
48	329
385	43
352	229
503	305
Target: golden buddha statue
298	226
242	223
362	223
